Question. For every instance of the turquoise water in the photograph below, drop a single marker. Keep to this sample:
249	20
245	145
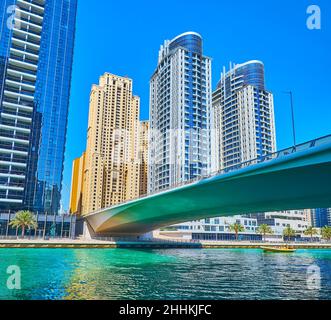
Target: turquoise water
164	274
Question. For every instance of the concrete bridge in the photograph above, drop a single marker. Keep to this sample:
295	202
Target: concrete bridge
291	179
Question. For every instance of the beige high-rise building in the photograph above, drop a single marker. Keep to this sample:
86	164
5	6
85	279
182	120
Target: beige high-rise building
111	173
143	157
77	184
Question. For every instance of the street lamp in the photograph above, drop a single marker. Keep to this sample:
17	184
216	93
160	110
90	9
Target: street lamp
290	93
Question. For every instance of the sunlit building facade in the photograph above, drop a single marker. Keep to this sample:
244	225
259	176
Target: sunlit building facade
243	112
244	115
215	229
180	114
77	185
36	54
111	170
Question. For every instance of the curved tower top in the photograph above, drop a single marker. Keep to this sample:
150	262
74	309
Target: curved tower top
191	41
250	73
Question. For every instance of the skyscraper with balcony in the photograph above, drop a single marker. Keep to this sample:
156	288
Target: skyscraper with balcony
244	115
180	113
36	54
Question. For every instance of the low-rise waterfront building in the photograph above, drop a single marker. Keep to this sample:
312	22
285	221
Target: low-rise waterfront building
216	229
49	226
278	221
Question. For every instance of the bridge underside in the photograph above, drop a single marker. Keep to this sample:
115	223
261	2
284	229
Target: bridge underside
298	181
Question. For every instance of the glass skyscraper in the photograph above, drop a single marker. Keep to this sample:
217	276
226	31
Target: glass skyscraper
321	217
36	54
180	113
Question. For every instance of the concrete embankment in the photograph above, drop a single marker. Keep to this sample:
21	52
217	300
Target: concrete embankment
81	244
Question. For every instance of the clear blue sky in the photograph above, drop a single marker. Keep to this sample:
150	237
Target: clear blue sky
124	38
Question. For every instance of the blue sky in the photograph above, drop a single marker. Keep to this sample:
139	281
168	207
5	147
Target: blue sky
124	38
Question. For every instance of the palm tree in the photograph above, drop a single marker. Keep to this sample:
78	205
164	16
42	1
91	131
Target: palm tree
326	233
23	220
264	229
311	232
288	233
237	227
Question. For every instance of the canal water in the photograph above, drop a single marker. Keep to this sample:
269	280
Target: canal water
166	274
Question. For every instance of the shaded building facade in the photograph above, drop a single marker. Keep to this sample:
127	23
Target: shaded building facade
36	55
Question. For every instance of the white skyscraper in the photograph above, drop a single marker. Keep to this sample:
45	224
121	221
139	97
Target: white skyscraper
244	113
180	114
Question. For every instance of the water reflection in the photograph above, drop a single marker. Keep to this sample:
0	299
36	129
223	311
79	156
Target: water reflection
165	274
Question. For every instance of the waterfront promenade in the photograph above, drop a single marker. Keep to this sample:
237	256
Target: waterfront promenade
153	244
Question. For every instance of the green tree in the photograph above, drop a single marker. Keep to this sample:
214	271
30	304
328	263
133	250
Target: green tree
288	233
264	229
311	232
326	233
24	220
236	228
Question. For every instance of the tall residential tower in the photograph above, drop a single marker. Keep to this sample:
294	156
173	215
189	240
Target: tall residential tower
180	113
243	112
36	54
244	115
111	169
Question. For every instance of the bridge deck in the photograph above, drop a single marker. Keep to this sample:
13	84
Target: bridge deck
288	180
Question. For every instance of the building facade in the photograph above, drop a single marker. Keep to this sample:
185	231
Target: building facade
36	54
48	226
298	220
321	217
217	229
143	157
180	114
77	185
111	171
244	115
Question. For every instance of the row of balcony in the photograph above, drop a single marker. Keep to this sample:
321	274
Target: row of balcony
25	45
15	94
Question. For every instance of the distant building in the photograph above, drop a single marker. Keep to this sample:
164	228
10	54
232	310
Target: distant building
143	157
77	185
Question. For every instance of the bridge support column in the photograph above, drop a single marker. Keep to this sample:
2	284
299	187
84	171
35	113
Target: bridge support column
88	233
